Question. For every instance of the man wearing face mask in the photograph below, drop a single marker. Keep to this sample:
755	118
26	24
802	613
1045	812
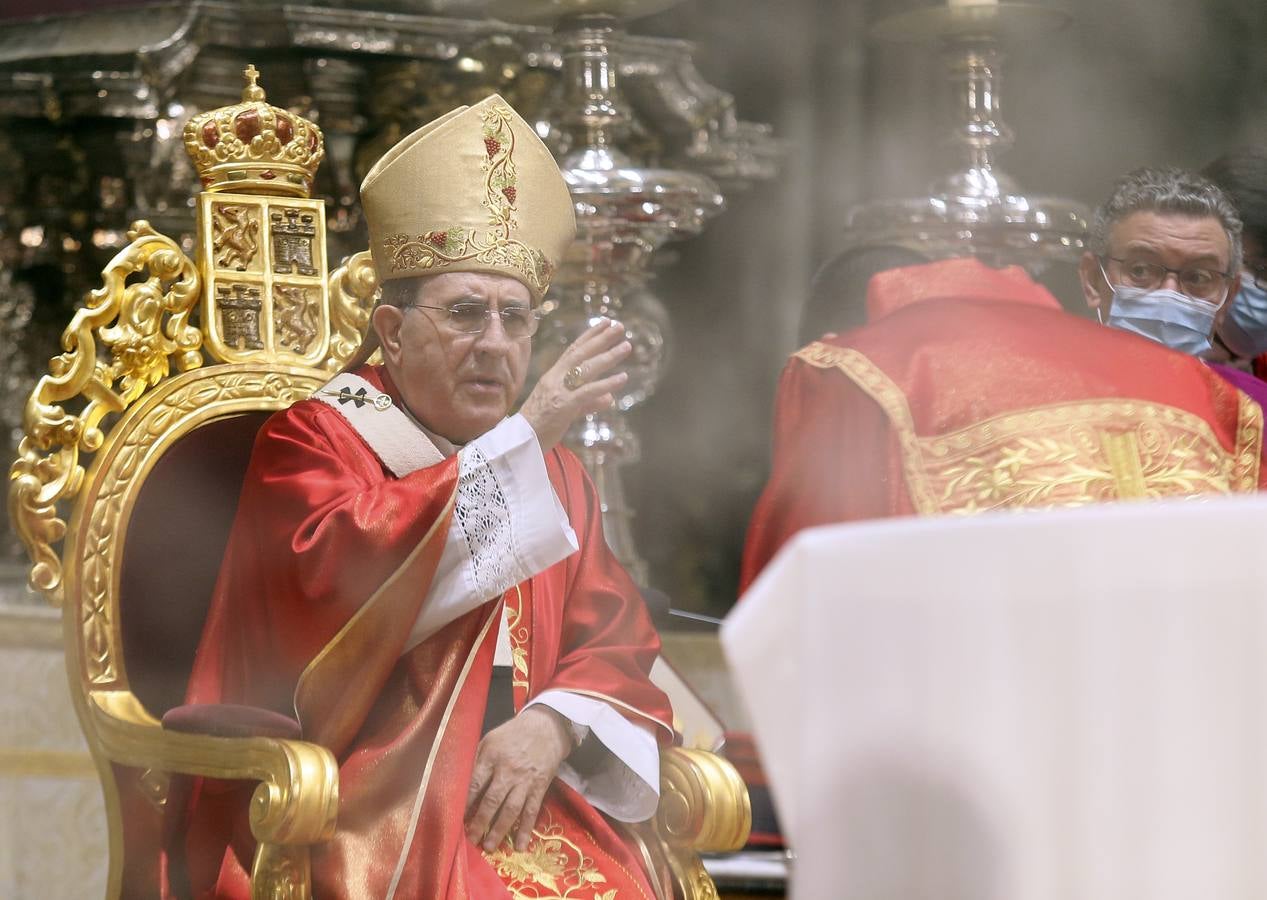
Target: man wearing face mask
1165	262
1242	175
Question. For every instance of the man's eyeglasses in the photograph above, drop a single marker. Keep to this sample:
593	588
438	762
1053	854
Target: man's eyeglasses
1195	281
472	318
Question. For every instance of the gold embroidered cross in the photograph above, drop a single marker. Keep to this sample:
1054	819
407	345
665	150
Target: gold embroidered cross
1122	450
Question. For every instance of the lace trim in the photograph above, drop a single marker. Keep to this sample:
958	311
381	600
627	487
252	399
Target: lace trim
483	514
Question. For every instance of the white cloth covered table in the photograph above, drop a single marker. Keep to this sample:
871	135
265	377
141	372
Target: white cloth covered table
1057	705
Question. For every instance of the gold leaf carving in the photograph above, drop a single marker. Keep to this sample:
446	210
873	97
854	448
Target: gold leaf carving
353	287
704	804
235	235
701	884
296	316
121	342
281	873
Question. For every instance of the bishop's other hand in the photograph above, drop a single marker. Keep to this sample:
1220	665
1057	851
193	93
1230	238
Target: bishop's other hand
514	765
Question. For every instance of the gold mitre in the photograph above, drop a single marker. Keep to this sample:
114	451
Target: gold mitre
253	147
472	191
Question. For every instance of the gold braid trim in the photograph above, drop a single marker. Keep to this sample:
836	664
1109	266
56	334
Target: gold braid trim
1249	444
880	388
520	634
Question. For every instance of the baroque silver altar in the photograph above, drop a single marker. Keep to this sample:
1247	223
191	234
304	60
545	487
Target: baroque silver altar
92	106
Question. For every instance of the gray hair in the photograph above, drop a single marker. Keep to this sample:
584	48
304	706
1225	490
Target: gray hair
1168	190
400	292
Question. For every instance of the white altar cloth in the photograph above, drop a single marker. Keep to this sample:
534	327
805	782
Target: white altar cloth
1058	705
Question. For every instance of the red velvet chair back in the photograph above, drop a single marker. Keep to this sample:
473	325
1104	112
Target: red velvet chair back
171	556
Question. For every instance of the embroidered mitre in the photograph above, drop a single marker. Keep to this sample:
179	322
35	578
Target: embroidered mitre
472	191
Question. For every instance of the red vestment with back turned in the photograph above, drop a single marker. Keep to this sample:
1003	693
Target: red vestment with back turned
971	390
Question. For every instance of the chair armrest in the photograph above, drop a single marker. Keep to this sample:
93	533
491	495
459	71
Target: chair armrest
704	803
298	796
231	720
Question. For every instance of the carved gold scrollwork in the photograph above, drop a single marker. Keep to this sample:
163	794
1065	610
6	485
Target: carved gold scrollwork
692	878
704	804
698	885
280	873
353	287
704	807
285	824
142	327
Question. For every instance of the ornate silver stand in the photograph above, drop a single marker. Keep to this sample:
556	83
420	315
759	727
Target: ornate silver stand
625	212
92	106
978	208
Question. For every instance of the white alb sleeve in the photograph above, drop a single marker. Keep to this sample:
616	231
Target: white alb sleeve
508	525
626	784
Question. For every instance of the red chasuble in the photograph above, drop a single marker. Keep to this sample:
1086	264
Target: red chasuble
327	566
970	390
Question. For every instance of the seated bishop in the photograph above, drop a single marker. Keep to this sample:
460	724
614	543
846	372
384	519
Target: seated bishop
421	577
970	390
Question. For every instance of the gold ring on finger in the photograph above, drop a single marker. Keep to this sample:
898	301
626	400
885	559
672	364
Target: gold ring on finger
573	379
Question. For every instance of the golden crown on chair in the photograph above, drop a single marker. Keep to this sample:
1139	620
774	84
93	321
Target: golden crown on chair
253	147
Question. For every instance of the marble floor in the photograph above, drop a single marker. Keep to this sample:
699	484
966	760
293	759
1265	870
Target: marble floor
53	843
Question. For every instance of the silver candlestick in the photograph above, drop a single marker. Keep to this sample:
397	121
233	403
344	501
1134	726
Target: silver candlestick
625	212
978	208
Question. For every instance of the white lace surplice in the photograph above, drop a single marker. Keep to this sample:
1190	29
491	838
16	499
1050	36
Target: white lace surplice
509	525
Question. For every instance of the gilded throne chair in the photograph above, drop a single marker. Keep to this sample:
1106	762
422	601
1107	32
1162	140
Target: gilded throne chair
125	487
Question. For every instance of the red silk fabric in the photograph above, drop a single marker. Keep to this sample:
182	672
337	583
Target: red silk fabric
963	342
327	566
954	279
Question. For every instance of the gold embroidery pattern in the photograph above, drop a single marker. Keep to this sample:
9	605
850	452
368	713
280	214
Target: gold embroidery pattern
518	630
552	868
437	249
1074	454
1067	454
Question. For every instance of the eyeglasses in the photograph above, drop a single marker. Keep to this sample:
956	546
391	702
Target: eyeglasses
1195	281
518	322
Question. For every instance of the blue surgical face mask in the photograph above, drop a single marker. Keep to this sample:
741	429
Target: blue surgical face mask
1245	328
1165	316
